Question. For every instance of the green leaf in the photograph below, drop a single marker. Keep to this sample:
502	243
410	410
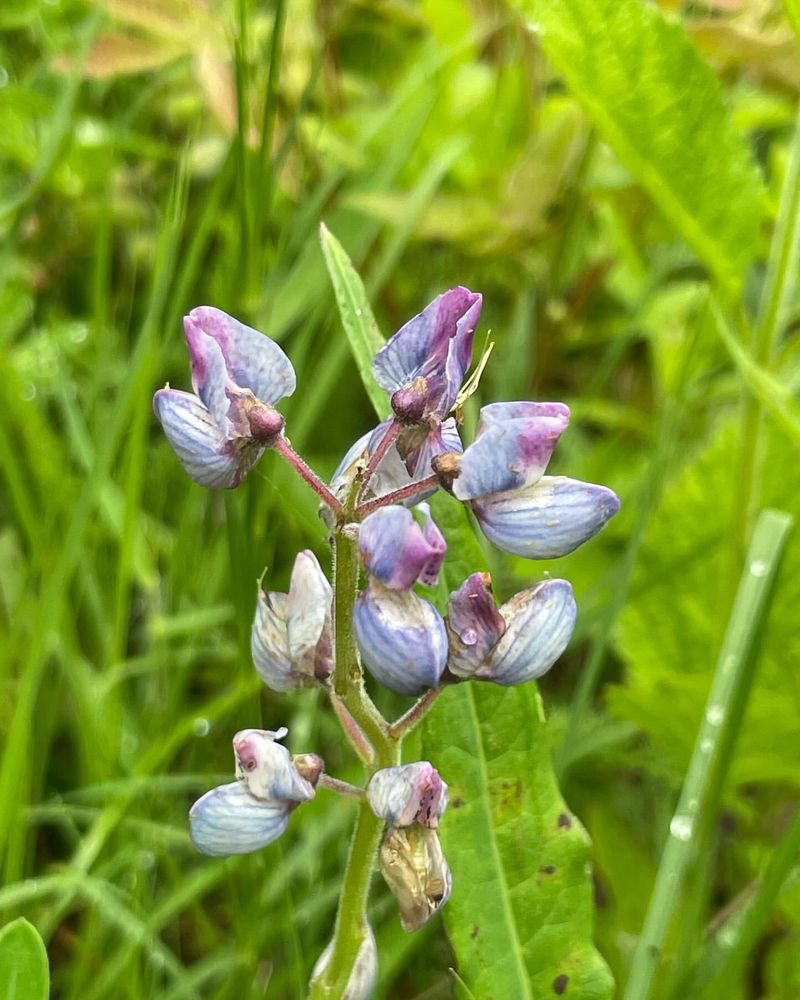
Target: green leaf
520	915
24	972
357	318
660	108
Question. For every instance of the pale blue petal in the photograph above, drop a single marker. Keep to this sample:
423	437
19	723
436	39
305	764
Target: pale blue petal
210	379
409	793
269	642
204	451
402	638
397	551
228	820
548	519
540	622
513	445
253	360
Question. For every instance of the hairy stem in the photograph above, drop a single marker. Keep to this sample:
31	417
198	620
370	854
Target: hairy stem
286	451
403	726
377	456
404	493
339	786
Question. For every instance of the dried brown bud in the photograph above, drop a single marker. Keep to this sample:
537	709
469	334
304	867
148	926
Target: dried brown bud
415	869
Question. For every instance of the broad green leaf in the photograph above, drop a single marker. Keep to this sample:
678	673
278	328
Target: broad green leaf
520	915
357	318
660	107
24	972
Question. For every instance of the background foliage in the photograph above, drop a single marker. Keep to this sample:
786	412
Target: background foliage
609	175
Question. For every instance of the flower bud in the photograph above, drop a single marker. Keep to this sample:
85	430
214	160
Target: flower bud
291	634
402	638
409	402
415	869
408	794
516	643
266	768
364	974
546	520
397	551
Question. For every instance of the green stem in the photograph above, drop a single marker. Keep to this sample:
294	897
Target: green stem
713	750
348	685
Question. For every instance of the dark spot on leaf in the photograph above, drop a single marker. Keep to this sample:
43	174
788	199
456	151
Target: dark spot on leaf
475	932
565	820
457	803
560	984
548	869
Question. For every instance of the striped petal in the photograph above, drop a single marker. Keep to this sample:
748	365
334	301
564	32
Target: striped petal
540	622
253	361
513	445
269	642
548	519
402	638
228	820
474	625
308	618
209	457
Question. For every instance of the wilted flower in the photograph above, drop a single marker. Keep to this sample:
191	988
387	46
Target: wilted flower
415	869
518	642
401	636
501	476
291	635
408	794
364	974
399	552
252	812
238	374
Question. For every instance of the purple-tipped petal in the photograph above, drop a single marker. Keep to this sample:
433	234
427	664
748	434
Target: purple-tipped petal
266	769
548	519
253	360
402	638
410	793
210	377
474	624
435	345
512	448
308	618
415	869
397	551
228	820
540	623
203	449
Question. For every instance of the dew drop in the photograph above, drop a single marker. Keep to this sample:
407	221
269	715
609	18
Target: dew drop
681	828
201	727
706	745
715	714
469	636
758	568
358	312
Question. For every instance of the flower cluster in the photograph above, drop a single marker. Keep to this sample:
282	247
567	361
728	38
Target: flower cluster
381	528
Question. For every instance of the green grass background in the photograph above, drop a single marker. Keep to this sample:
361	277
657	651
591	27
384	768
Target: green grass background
160	154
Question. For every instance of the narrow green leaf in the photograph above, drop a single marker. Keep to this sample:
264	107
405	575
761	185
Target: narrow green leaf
24	972
357	318
660	107
520	915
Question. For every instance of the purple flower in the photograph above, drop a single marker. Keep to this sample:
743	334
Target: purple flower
424	363
408	794
252	812
402	638
397	551
501	476
415	869
238	374
291	635
518	642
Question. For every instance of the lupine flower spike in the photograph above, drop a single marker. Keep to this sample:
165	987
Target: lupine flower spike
318	634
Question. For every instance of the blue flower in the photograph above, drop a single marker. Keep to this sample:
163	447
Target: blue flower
517	642
399	552
238	374
408	794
